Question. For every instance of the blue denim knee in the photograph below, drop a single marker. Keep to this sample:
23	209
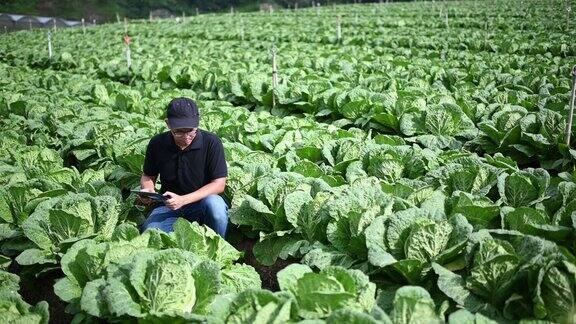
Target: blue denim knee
215	214
211	211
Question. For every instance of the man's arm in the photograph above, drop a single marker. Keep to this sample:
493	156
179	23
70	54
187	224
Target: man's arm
147	183
215	187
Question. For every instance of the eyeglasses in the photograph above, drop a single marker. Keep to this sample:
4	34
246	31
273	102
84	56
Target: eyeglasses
181	132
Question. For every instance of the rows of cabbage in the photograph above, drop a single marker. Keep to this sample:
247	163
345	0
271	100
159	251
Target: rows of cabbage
306	198
424	88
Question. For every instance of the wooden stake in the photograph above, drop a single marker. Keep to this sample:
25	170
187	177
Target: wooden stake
274	69
54	21
128	57
231	10
571	113
338	29
197	11
274	75
117	18
94	22
446	19
30	23
49	45
150	16
125	26
568	9
127	41
83	26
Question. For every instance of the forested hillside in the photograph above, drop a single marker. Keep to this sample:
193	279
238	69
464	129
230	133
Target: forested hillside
104	10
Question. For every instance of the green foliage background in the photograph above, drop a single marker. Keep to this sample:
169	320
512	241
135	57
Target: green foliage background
107	9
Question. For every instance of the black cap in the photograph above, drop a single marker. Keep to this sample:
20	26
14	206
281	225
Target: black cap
183	113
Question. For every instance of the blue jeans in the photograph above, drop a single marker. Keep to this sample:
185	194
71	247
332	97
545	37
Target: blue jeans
211	211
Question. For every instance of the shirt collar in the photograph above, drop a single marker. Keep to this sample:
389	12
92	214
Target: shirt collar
198	141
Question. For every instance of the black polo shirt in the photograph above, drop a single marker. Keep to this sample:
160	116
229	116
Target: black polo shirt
185	171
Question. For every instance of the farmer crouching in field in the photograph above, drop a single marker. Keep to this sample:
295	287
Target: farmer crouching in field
192	169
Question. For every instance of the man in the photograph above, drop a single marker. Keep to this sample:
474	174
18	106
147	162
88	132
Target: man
192	170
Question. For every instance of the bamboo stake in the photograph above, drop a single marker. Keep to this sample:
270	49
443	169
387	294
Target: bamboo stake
571	113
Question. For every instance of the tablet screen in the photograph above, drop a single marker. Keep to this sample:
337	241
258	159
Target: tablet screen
152	195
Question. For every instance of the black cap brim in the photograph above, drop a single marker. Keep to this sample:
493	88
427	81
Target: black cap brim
183	122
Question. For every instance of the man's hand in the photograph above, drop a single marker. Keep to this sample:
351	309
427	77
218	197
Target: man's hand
174	201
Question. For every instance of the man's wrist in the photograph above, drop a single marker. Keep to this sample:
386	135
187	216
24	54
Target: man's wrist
190	198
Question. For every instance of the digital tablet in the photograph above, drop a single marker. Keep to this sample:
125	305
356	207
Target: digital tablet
152	195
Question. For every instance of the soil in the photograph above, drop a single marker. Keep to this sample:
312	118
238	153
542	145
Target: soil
267	274
34	289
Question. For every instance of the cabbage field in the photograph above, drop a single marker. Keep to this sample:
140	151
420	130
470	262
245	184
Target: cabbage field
413	168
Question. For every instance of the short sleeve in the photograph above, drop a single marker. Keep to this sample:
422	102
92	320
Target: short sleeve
150	164
217	161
